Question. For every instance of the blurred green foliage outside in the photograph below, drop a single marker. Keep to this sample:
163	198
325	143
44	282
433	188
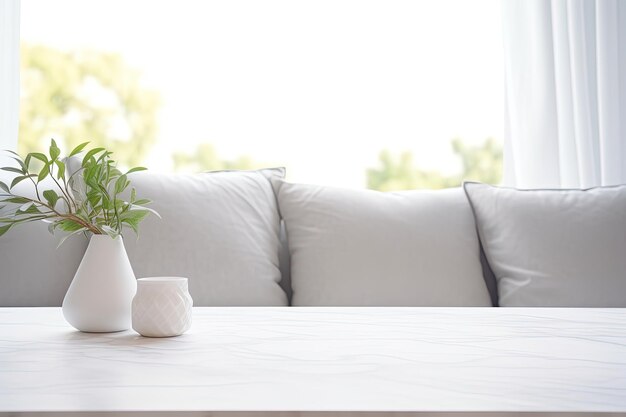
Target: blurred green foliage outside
92	96
479	163
206	158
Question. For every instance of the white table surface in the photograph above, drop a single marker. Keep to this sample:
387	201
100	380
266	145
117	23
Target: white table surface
315	360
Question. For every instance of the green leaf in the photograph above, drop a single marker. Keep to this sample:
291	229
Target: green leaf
54	150
43	158
136	169
91	153
119	204
21	178
64	238
69	225
133	225
94	197
4	186
4	229
17	180
88	174
23	218
105	155
31	219
51	197
105	201
78	149
61	168
121	184
43	173
102	189
133	195
16	200
12	169
133	217
114	172
135	214
142	202
22	164
32	209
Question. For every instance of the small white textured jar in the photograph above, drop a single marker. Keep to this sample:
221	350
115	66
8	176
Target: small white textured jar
162	307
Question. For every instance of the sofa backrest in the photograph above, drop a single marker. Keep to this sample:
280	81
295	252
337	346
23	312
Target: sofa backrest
33	272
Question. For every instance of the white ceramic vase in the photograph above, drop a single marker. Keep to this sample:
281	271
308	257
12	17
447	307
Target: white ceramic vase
162	307
100	295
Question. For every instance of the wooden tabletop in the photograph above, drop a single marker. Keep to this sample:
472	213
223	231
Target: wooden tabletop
305	361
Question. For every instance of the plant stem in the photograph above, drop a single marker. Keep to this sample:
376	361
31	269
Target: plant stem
71	197
66	197
93	229
36	188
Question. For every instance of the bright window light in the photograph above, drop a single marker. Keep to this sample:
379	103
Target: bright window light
328	88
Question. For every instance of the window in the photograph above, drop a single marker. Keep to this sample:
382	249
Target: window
344	92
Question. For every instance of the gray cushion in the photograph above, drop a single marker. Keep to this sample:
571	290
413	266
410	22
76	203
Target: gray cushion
554	247
362	247
220	229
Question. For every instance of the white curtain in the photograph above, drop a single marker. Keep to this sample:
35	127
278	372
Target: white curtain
9	73
565	75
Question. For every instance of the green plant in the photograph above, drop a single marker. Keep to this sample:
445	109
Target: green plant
85	199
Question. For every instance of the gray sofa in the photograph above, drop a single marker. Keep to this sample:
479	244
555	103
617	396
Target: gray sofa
250	238
35	273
